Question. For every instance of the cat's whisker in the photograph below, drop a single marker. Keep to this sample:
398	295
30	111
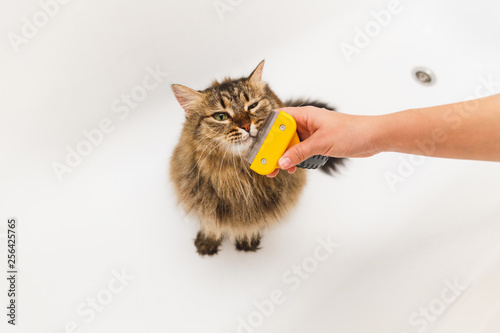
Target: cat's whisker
299	105
220	169
194	166
241	184
211	151
199	171
244	164
250	194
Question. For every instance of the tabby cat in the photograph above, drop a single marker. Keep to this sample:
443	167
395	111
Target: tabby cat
211	177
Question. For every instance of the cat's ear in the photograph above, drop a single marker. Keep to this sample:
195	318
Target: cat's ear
186	97
256	75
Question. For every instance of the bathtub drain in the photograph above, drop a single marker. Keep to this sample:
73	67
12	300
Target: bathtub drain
424	75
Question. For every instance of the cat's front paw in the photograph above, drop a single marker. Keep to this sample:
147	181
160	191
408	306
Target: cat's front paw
248	246
206	245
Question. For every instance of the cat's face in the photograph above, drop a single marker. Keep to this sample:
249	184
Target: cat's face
228	115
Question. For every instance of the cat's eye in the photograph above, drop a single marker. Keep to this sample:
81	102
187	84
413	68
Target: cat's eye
253	106
220	116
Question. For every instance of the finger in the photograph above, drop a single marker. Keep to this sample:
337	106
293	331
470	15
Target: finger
300	114
274	173
292	170
298	153
295	112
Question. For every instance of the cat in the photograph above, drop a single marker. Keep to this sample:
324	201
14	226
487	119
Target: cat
211	178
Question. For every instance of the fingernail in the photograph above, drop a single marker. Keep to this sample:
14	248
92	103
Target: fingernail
285	162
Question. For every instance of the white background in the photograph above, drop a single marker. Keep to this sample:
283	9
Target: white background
116	210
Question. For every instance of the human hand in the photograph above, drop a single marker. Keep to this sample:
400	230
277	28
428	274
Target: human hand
327	133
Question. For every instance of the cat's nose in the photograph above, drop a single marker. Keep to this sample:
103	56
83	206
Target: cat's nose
246	127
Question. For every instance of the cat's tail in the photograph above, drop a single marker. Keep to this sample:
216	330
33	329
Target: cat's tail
333	163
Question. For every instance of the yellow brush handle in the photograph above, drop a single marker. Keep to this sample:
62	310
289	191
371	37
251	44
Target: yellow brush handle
294	141
283	134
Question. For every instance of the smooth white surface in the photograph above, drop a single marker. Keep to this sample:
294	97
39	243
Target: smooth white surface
116	210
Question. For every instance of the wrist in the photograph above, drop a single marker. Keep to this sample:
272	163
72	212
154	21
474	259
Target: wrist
383	136
392	131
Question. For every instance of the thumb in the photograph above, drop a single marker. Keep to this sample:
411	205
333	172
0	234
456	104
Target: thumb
296	154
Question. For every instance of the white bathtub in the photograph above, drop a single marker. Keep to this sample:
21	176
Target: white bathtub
428	242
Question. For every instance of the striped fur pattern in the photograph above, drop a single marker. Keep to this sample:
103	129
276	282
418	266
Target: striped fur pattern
211	178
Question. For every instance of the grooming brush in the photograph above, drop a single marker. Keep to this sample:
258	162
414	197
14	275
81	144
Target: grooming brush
276	135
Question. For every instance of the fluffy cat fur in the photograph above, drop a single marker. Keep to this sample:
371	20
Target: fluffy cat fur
211	178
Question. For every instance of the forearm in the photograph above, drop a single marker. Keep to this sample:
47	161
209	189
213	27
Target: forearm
466	130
